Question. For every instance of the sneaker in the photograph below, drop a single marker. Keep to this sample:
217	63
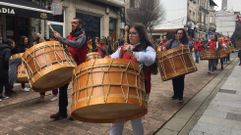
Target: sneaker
1	100
4	97
54	98
26	89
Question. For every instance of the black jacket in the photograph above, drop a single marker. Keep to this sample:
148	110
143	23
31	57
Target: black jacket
239	53
5	53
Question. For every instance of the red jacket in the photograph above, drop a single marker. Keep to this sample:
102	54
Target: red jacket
197	46
146	70
163	43
78	54
212	45
101	50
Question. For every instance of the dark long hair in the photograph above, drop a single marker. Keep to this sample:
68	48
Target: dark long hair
144	41
184	39
22	40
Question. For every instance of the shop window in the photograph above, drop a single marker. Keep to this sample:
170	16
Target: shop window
91	24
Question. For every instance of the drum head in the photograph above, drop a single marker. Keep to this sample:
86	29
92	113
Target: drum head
54	79
114	112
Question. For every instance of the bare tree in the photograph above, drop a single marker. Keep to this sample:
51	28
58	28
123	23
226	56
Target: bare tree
147	12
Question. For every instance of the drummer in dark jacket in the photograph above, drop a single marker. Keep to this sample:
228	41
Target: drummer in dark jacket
181	39
77	46
5	53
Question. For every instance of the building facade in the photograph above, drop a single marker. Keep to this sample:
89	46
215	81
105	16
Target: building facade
101	17
196	16
24	17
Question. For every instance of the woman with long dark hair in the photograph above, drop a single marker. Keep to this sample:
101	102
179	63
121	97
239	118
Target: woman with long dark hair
181	39
144	54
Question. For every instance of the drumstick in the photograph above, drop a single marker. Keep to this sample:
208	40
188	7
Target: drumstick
51	28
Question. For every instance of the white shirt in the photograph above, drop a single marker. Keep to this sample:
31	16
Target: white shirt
146	57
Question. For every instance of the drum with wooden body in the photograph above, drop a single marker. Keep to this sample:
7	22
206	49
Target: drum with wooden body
208	54
108	90
222	53
48	65
175	62
93	55
21	74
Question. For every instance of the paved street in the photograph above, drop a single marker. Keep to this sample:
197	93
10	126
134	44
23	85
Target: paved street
32	117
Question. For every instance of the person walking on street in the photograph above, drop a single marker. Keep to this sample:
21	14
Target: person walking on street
5	53
77	46
143	53
180	39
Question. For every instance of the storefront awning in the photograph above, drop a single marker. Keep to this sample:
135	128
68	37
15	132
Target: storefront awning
24	9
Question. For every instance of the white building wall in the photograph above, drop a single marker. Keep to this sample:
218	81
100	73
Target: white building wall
225	22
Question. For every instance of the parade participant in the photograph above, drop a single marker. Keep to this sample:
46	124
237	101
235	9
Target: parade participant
212	45
37	38
5	53
180	39
163	41
221	46
77	46
239	55
13	64
227	43
100	47
197	45
144	54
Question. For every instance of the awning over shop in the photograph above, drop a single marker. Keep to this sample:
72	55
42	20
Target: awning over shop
24	8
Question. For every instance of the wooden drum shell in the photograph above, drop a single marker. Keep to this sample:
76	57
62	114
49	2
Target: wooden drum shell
49	66
175	62
21	74
108	90
208	54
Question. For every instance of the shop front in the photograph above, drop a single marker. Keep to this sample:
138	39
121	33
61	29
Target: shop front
23	19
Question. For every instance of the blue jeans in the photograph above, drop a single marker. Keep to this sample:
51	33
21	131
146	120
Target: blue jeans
197	56
211	64
137	126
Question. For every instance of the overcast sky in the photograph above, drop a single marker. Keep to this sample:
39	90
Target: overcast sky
232	5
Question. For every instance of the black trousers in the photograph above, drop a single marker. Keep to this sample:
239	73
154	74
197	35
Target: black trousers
4	83
63	99
178	86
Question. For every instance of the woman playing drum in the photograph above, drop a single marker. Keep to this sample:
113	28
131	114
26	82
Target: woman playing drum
178	82
142	52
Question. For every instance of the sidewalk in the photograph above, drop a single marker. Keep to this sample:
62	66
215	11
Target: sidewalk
223	115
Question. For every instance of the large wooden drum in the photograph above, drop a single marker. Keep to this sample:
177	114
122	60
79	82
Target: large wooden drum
48	65
21	74
222	53
208	54
175	62
108	90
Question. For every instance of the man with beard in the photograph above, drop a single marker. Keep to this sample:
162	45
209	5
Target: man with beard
76	42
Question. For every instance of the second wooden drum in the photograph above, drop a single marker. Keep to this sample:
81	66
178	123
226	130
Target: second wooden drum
48	65
175	62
